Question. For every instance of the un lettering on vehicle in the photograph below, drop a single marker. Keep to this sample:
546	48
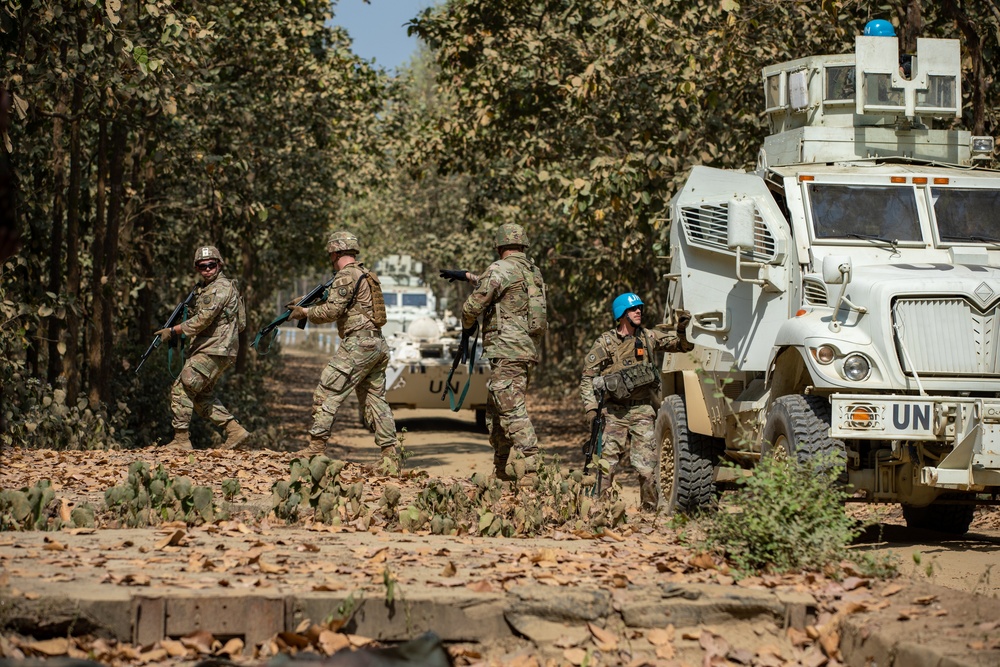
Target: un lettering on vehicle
862	417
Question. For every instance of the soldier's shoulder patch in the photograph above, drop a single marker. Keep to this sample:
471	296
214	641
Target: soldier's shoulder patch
342	291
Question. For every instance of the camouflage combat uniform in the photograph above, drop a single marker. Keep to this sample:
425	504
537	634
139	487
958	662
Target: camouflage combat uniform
213	331
360	361
501	295
629	421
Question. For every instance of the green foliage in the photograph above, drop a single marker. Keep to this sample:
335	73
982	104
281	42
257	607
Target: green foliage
150	496
37	508
786	517
318	483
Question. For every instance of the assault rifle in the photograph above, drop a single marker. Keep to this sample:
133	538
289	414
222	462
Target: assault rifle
270	332
466	351
592	447
171	321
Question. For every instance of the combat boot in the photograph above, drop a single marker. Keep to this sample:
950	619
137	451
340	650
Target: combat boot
317	445
180	443
389	461
235	434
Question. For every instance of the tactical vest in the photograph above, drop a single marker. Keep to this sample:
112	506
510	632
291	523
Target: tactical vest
627	377
524	302
378	316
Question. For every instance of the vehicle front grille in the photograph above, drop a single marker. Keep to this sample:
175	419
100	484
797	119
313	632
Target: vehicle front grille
947	336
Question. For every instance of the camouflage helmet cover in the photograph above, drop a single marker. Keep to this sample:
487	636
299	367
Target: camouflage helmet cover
510	234
207	252
342	242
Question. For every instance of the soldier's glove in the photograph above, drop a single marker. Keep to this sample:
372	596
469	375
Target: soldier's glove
291	304
683	319
298	313
591	415
455	274
164	334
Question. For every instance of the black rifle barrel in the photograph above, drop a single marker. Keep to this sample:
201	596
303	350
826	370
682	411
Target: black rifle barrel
171	321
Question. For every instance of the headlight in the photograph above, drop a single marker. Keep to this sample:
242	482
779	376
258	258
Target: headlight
857	368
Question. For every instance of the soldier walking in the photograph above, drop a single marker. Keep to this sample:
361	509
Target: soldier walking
218	316
356	304
510	295
623	359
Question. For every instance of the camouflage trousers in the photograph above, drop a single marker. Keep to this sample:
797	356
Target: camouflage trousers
506	414
193	391
629	430
358	365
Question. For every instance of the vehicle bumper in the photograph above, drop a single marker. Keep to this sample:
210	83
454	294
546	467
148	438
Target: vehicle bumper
969	426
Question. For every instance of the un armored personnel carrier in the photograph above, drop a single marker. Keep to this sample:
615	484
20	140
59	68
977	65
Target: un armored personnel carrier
845	294
423	346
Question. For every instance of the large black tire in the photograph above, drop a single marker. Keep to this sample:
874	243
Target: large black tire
687	460
798	426
950	519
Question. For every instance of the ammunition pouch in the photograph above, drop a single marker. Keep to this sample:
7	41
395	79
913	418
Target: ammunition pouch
622	385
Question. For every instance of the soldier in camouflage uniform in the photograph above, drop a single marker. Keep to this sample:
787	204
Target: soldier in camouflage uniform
623	356
355	303
511	341
217	318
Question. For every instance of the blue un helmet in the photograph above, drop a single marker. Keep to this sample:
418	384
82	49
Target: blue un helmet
879	28
623	302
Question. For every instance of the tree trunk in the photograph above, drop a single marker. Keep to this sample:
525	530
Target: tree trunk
246	276
74	275
95	343
974	48
56	239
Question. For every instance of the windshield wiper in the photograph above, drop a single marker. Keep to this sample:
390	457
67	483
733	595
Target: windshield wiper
974	239
892	243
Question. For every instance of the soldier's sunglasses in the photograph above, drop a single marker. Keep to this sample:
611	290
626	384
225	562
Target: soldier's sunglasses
206	266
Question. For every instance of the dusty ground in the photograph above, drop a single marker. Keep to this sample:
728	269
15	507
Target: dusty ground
441	444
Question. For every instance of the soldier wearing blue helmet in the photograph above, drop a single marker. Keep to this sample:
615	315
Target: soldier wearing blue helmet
630	380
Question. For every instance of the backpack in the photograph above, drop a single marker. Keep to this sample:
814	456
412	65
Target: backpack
378	301
241	313
537	317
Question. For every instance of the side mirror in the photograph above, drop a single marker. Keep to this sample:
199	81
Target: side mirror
837	269
740	228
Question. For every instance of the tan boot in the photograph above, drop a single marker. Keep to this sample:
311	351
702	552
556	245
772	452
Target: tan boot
180	443
389	460
235	434
316	446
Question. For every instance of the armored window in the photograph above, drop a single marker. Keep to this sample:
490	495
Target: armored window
880	93
966	215
839	84
415	300
882	212
773	98
940	94
390	298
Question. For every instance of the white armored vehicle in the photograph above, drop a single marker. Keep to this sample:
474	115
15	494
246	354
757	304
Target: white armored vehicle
845	295
423	346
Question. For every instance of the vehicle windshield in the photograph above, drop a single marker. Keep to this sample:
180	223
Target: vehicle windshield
966	215
416	300
873	212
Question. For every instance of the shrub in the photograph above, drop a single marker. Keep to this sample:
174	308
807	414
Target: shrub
786	517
